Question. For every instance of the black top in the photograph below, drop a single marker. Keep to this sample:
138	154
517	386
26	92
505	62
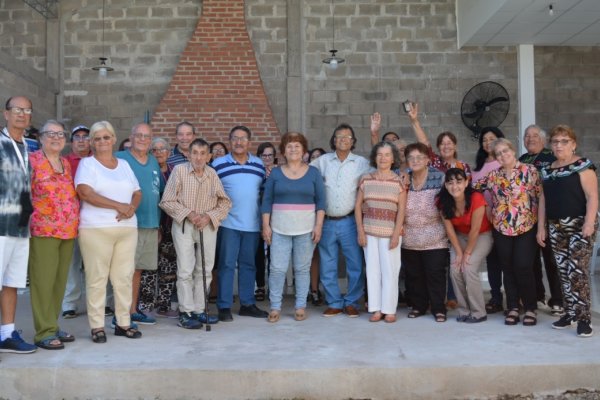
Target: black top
563	191
540	160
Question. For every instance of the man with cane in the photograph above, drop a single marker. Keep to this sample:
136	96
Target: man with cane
194	197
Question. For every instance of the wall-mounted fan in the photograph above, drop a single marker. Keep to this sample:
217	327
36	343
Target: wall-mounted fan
485	104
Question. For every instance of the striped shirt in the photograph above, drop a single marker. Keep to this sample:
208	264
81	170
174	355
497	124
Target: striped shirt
186	192
176	157
380	204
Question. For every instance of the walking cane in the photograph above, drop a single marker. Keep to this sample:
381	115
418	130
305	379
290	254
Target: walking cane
207	325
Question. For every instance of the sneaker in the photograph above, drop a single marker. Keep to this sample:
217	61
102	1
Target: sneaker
108	312
252	311
206	319
167	313
565	321
584	329
69	314
188	321
113	323
557	311
15	344
143	319
542	305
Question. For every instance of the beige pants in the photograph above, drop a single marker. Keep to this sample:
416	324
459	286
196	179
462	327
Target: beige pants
108	252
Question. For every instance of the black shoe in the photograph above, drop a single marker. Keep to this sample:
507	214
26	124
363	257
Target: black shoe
315	298
225	315
252	311
473	320
108	312
566	321
69	314
584	329
492	307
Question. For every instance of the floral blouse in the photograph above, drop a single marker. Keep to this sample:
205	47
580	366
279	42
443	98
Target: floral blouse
514	198
439	164
55	202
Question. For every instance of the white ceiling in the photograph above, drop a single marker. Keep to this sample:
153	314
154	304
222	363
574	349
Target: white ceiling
514	22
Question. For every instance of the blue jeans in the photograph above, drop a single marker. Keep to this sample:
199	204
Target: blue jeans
341	234
299	248
237	248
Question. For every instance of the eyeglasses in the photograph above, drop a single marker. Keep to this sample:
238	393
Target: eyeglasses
563	142
142	136
416	158
105	138
343	137
20	110
502	152
54	135
159	150
78	138
264	155
218	151
240	139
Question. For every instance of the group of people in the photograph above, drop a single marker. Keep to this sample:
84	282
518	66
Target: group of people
153	221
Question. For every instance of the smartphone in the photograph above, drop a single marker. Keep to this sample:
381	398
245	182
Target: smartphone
407	106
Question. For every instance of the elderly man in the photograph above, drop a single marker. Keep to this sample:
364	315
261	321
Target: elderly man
540	157
341	171
185	133
15	210
147	171
242	175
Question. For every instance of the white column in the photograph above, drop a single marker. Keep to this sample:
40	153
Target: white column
526	65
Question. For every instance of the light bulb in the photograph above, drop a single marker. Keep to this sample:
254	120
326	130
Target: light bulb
102	72
333	64
551	10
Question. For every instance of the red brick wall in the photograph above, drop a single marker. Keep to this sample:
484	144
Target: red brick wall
217	84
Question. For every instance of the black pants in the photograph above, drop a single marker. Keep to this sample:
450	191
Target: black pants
262	262
426	278
516	255
494	271
551	274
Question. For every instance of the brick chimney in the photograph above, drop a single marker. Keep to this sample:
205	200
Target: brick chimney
217	84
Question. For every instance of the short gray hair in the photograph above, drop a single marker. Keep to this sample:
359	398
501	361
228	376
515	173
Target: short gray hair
541	132
161	140
53	122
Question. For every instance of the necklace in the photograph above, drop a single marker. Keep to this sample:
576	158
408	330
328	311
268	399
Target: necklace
56	164
418	185
294	172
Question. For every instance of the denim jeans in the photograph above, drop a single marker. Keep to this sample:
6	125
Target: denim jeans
237	248
341	234
298	248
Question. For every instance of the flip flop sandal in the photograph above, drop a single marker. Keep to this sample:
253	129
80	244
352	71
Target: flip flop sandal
415	314
274	316
50	343
65	337
99	336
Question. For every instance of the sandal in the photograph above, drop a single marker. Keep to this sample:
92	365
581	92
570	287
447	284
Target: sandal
376	317
415	314
492	307
512	318
98	336
440	317
50	343
129	333
300	314
259	294
65	337
390	318
274	316
530	318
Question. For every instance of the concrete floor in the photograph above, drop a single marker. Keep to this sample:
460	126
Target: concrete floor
320	358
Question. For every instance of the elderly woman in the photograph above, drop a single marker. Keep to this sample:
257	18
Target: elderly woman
53	231
570	205
425	244
109	194
379	213
469	232
217	150
516	190
293	209
485	162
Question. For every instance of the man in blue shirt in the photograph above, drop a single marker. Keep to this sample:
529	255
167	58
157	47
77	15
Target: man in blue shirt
242	175
185	133
147	171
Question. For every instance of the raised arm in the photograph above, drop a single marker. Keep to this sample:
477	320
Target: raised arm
420	134
375	127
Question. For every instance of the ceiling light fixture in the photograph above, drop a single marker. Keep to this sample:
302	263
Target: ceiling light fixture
102	68
551	10
334	60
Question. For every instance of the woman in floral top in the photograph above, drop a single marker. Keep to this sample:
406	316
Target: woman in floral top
516	191
53	227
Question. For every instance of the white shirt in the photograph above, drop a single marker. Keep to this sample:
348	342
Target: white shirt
117	184
341	181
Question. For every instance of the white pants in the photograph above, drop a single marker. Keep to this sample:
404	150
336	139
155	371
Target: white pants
383	269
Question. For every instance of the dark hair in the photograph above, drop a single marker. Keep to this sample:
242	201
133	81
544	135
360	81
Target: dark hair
339	128
291	137
450	136
263	146
184	123
481	154
444	200
122	144
390	133
214	144
199	142
319	149
240	128
420	147
395	154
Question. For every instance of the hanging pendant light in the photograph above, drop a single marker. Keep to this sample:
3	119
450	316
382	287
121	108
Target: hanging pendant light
102	68
333	61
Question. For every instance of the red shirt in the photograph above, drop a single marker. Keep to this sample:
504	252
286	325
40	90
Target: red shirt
74	159
462	224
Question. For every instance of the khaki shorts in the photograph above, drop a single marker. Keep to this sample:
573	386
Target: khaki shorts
146	251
